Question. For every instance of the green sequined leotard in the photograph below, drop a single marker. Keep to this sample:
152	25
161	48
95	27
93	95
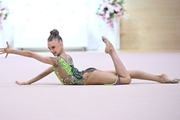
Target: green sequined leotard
68	74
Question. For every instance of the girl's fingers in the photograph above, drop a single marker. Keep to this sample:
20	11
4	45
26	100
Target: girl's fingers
7	44
1	50
6	55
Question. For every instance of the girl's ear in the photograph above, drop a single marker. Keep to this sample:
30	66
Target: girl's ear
61	43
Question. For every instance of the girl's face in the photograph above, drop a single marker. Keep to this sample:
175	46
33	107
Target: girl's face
55	47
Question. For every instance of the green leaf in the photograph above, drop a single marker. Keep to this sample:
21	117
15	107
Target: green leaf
111	15
121	2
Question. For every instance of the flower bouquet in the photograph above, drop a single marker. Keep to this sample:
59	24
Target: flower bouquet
3	14
111	9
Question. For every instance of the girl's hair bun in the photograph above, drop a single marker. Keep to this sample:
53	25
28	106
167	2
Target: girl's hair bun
54	32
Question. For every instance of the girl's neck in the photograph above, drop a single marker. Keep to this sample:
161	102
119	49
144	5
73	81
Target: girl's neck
62	54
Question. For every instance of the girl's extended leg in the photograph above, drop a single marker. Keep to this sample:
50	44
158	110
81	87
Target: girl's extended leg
119	67
163	78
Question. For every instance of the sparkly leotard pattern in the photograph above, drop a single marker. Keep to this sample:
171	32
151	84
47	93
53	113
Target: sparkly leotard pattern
68	74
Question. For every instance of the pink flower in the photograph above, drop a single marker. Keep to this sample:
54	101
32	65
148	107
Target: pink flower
111	9
119	14
107	14
117	7
2	16
104	5
103	16
110	23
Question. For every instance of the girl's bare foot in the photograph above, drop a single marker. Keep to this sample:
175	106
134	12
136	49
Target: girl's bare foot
22	83
165	79
109	47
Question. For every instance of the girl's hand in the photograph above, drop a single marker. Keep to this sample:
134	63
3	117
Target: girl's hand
22	83
5	50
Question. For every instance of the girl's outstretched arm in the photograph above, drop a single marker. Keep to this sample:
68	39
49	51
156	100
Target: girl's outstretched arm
26	53
38	77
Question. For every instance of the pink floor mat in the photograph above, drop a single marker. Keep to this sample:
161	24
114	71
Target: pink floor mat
48	99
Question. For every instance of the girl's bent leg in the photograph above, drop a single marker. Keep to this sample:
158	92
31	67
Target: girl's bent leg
119	67
103	77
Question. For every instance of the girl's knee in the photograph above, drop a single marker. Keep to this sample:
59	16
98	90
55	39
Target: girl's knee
126	80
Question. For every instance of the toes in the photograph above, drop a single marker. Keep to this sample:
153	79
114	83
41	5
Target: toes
176	80
167	80
173	81
104	39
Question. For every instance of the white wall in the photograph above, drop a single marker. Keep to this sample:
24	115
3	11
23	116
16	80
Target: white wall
30	22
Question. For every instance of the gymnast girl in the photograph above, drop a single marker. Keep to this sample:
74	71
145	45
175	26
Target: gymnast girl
63	66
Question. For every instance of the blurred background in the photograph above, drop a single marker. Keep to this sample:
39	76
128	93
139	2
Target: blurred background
152	26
